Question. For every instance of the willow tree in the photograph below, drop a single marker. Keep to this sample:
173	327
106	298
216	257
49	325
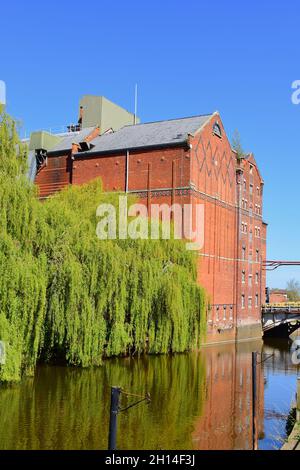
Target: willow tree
23	275
67	296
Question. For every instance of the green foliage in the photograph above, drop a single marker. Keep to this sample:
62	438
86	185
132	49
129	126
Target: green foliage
293	290
237	145
67	296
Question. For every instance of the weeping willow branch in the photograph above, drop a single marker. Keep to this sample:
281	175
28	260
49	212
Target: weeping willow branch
67	296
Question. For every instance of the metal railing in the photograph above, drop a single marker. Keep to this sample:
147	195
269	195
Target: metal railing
286	307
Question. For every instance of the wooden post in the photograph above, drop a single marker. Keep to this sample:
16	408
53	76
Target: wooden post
114	408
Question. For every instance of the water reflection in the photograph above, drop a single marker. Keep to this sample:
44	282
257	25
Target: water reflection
199	401
227	419
65	408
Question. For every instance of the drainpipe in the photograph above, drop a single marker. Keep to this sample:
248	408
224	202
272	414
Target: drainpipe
127	171
239	174
149	188
70	161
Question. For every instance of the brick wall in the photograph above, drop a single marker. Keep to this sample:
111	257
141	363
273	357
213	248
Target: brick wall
278	297
213	176
54	175
204	172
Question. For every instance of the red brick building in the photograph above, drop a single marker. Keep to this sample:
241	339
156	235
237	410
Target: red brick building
183	161
278	296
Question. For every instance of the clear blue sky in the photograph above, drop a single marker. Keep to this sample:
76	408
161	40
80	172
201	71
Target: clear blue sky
188	57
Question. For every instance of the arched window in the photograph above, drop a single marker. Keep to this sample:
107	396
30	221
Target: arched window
217	129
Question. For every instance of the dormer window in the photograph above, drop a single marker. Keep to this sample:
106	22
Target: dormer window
85	146
217	130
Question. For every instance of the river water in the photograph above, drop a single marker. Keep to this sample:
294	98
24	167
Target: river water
198	401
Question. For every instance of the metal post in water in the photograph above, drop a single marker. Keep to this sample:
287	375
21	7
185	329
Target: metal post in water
298	400
114	408
254	363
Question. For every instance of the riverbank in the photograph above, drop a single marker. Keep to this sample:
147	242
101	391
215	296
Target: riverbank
293	442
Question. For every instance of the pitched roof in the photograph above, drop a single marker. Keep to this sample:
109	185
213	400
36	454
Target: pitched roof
150	134
73	138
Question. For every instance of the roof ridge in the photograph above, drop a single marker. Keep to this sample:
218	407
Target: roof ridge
168	120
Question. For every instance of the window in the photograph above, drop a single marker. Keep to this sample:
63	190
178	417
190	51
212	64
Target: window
244	228
243	253
251	188
256	300
224	312
250	302
244	204
243	301
241	377
257	256
257	191
245	185
217	313
217	129
243	277
256	278
231	312
250	236
250	280
257	232
251	170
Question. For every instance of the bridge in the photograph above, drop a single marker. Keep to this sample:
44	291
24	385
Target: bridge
283	316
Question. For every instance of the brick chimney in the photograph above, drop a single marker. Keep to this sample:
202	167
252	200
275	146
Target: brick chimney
80	116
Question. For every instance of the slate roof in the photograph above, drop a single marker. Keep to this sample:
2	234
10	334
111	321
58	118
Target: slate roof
73	138
152	134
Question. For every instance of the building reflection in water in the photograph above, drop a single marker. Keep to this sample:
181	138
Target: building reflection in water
226	422
198	401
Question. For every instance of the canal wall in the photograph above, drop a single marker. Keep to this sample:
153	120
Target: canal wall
220	334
